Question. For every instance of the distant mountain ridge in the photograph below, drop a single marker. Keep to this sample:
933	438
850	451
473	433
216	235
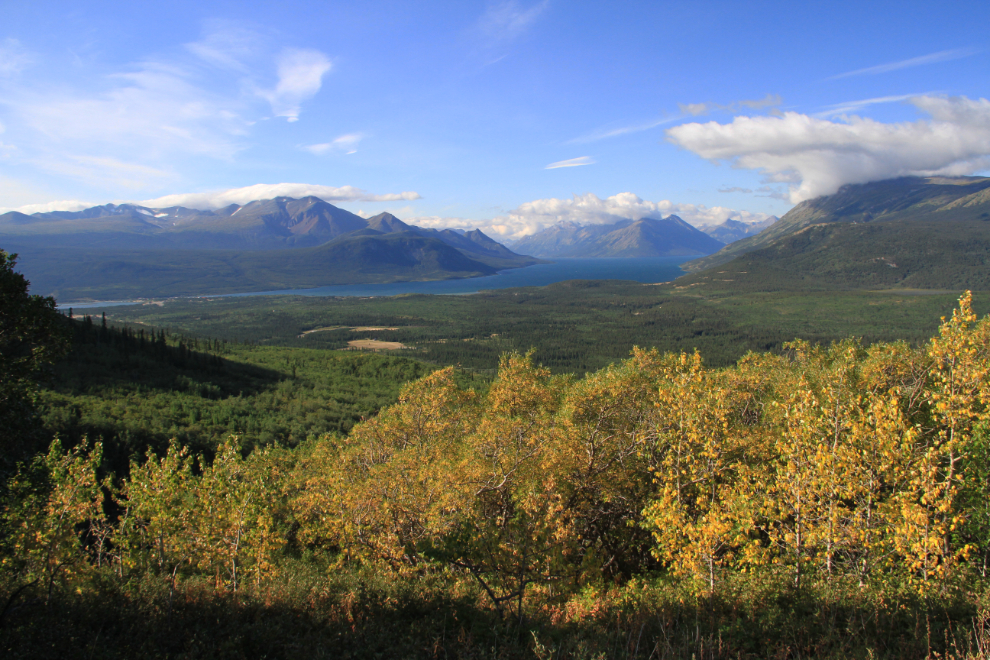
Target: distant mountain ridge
264	224
646	237
731	230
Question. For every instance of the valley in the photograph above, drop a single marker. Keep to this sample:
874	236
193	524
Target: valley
311	413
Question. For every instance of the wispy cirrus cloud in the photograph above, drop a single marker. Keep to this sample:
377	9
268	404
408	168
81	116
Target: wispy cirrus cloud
573	162
856	106
931	58
14	58
345	143
817	156
137	122
762	191
605	133
505	21
502	24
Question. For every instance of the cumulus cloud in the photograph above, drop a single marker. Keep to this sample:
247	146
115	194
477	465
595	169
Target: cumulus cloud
300	76
573	162
932	58
221	198
345	143
588	209
817	156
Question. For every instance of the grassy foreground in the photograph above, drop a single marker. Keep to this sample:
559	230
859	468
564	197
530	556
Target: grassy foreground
319	612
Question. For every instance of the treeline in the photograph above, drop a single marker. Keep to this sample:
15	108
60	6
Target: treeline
848	481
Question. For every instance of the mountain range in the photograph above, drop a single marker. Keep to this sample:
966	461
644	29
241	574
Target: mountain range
271	224
911	232
646	237
119	251
905	199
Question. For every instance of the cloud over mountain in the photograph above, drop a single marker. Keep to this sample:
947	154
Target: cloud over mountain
589	209
817	156
221	198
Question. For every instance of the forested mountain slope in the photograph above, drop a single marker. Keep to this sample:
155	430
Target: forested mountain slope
904	200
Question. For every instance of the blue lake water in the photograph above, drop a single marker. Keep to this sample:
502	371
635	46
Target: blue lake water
644	269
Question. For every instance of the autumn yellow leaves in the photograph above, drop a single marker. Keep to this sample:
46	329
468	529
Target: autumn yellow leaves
845	462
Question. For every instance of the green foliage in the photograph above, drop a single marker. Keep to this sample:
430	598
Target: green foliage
32	335
881	255
139	388
574	327
826	503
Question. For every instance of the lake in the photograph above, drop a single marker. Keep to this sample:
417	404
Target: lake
643	269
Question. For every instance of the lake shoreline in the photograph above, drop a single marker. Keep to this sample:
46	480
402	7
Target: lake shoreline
646	270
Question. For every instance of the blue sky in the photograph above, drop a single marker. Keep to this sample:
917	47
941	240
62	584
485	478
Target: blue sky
503	115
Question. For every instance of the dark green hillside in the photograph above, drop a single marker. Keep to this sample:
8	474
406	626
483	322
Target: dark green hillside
573	326
946	254
137	387
908	199
90	274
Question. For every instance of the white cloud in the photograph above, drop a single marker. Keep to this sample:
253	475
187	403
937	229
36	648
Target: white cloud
345	143
154	111
300	76
573	162
48	207
199	102
226	45
220	198
588	209
817	156
932	58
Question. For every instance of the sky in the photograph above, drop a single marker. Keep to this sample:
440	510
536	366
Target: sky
508	116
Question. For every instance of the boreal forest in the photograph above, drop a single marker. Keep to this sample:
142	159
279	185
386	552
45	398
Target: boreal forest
172	496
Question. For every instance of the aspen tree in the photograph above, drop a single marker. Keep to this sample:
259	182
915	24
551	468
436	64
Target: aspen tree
156	528
697	519
394	484
45	511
